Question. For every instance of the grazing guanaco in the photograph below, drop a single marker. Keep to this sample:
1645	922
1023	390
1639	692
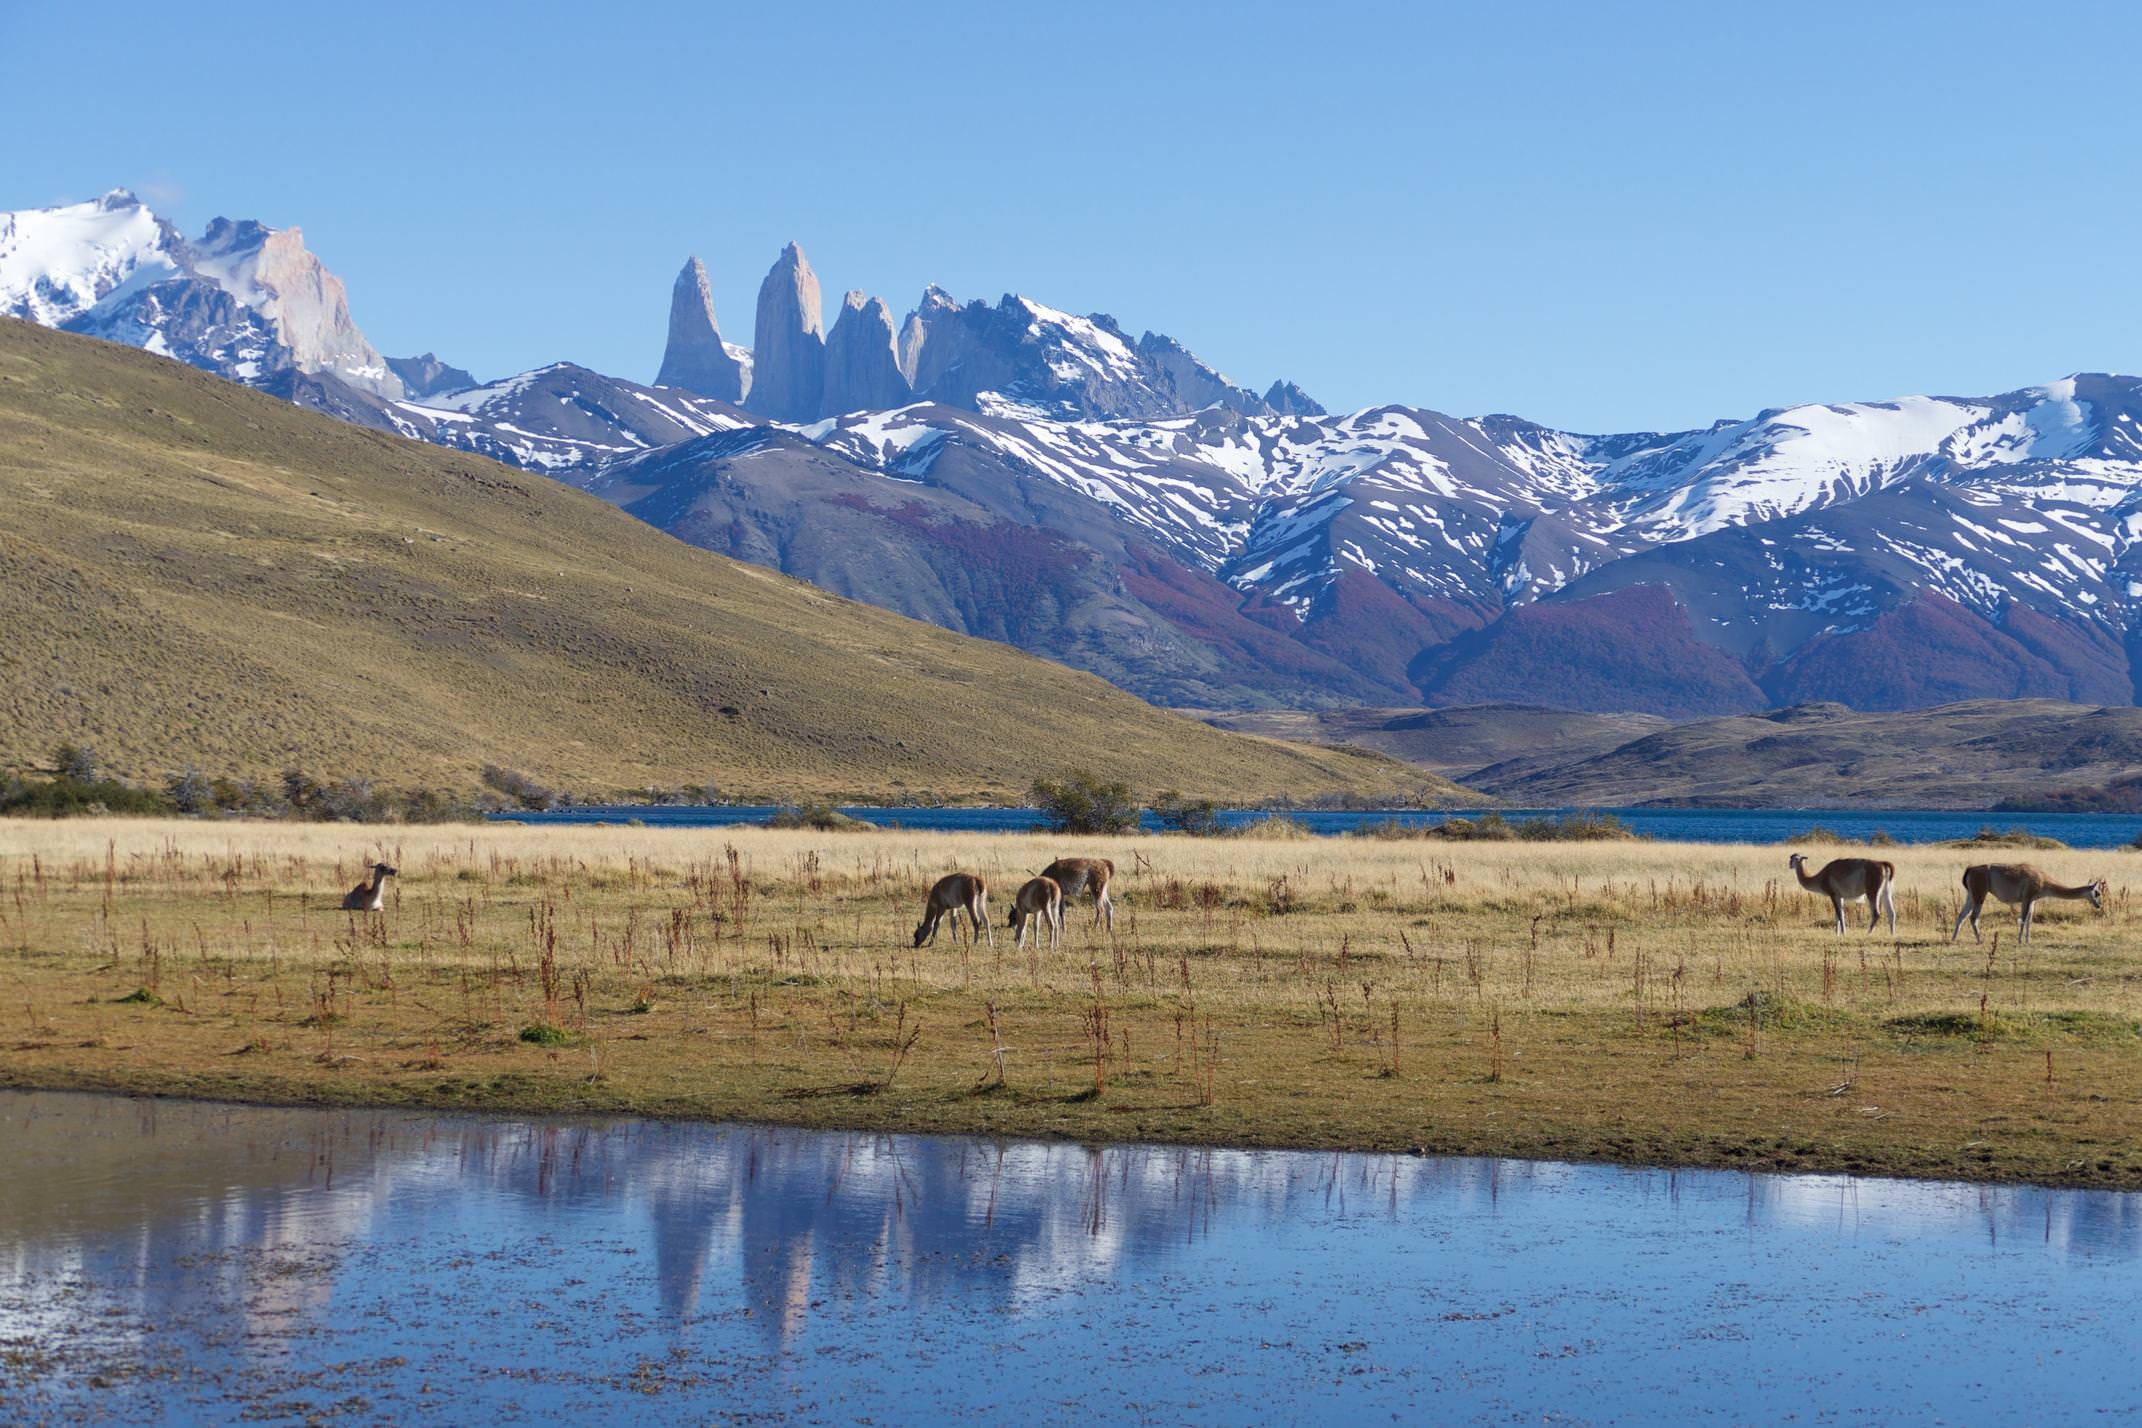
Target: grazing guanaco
1086	875
955	893
1851	880
2017	883
1041	899
369	896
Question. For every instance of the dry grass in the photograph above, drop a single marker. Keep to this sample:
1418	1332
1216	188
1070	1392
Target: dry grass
1659	1003
197	575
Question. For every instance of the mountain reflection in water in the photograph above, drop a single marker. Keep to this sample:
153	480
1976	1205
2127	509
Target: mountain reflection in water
207	1261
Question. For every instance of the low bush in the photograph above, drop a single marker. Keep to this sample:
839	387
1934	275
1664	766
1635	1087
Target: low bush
1273	826
519	787
1199	817
70	797
1820	835
1084	803
1989	837
823	818
1494	828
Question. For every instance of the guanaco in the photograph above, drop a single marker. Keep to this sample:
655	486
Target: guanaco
1040	899
1086	875
369	896
2017	883
1852	880
955	893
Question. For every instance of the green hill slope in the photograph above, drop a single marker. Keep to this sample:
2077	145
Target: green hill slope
193	574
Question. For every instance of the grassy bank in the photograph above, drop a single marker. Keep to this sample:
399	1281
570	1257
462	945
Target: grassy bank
1641	1002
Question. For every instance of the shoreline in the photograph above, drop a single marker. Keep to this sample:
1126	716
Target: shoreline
259	1098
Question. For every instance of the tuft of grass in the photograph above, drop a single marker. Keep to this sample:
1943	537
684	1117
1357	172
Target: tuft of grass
1988	837
542	1033
141	996
2087	1027
1773	1013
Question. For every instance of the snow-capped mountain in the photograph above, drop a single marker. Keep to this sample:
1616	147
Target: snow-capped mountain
242	300
562	419
1018	471
1017	357
1975	545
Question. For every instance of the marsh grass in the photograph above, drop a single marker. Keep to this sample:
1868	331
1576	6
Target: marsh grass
1609	999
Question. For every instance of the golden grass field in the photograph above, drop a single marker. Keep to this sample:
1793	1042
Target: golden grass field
195	575
1656	1003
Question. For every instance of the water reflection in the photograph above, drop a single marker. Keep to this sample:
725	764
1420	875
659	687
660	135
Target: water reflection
171	1259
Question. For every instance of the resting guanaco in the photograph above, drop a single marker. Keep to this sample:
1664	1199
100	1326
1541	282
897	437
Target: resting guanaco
1086	875
1041	899
369	896
2017	883
1851	880
955	893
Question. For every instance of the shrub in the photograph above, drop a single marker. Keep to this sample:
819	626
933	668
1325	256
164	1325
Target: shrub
1879	838
520	788
1574	828
67	797
1273	827
820	816
72	761
190	793
2014	838
1494	828
1083	803
1199	817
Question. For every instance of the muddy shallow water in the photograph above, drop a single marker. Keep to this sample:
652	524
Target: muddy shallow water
177	1262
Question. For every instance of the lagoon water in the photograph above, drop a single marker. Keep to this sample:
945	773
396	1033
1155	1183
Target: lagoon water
1679	825
181	1262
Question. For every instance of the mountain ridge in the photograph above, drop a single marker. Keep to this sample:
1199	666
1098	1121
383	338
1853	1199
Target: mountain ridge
1888	553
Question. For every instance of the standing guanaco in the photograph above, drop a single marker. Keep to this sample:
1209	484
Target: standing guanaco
1853	880
2018	883
1040	899
1086	875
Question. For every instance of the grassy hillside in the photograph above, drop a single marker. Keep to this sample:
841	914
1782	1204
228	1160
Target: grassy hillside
1969	755
193	574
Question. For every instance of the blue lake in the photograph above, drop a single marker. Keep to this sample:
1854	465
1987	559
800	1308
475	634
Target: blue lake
1683	825
180	1262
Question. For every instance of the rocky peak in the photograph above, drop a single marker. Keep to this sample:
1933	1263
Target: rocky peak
788	350
696	358
912	333
1192	385
225	236
271	271
863	369
1283	398
427	376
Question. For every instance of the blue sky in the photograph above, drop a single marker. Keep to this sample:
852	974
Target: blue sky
1599	216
